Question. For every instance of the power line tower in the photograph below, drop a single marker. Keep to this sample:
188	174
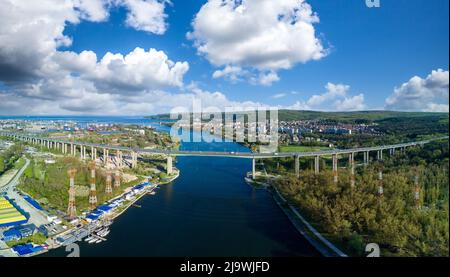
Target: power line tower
108	189
117	180
93	190
72	210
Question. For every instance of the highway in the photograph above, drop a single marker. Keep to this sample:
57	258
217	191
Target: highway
245	155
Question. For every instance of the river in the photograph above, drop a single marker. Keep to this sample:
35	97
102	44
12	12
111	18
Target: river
208	211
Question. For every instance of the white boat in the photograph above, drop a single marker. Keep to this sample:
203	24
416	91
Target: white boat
94	240
104	234
98	241
88	239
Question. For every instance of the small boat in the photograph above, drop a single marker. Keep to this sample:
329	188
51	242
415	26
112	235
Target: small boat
104	234
98	241
88	239
94	240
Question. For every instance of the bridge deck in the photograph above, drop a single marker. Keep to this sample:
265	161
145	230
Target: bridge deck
247	155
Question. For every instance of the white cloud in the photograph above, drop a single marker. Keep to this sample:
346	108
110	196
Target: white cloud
38	78
93	10
335	98
82	98
262	35
266	79
418	94
279	95
353	103
139	70
233	73
146	15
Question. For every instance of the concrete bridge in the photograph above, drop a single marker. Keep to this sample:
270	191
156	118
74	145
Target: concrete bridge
129	156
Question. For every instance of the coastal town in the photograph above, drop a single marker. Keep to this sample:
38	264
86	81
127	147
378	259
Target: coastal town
34	220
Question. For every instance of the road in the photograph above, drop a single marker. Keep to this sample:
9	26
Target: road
37	217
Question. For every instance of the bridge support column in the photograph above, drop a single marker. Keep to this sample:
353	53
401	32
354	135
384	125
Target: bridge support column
106	156
335	168
351	162
380	155
316	164
134	160
169	165
297	166
366	158
119	158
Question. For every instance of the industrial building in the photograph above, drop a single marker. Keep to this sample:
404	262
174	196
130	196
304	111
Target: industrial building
10	215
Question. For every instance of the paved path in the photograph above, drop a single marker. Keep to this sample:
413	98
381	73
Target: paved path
37	217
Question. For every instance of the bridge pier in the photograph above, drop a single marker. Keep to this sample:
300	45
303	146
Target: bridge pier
351	162
134	157
92	153
119	158
316	165
297	166
169	165
335	168
366	158
380	155
106	156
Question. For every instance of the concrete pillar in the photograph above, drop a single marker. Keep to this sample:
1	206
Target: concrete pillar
169	164
335	168
297	166
253	169
317	164
106	156
119	158
81	152
134	157
379	155
366	158
351	162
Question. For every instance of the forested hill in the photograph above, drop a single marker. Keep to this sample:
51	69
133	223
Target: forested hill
348	117
289	115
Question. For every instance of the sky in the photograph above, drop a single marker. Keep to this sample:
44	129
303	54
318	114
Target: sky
141	57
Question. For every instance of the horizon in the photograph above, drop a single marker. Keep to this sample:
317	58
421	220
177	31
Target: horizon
166	113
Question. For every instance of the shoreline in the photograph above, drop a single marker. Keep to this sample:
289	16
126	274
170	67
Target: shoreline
320	243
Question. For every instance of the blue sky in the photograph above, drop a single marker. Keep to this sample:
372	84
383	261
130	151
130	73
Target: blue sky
368	52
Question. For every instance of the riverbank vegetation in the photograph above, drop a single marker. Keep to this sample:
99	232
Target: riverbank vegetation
395	220
10	156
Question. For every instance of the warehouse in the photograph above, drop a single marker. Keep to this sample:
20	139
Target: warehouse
9	214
